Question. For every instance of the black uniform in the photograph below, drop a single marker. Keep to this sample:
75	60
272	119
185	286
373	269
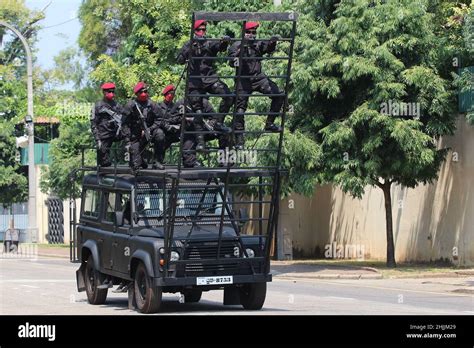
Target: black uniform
209	82
258	82
172	130
133	126
174	117
106	124
213	123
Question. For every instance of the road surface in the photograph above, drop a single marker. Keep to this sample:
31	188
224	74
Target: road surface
47	286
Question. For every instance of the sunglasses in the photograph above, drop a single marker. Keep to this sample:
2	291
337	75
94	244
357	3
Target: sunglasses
109	90
200	29
143	91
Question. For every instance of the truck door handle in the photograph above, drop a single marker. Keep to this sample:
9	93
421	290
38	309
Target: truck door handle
114	244
100	240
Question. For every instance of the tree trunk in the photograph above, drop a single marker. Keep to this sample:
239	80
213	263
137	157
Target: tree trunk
389	224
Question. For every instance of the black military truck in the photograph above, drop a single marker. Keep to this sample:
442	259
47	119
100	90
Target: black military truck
184	230
124	240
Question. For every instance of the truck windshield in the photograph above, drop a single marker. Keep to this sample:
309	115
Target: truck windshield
190	204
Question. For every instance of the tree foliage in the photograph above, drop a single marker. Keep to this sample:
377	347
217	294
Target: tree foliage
65	156
370	54
13	182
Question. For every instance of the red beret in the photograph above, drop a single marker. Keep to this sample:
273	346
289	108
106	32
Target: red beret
140	85
167	89
198	23
108	85
251	25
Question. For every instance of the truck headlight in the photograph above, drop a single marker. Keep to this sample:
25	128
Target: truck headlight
174	256
250	252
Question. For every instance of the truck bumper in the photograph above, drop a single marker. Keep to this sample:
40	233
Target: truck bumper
190	281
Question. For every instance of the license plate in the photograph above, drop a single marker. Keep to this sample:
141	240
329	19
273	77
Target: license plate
214	280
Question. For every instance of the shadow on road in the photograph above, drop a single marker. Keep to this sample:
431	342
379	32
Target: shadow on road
172	306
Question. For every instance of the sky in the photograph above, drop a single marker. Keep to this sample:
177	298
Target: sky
61	17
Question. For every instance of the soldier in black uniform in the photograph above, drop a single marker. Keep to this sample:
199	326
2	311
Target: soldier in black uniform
258	82
143	124
209	82
173	116
106	123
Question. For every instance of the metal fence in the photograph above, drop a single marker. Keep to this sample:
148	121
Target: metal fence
19	212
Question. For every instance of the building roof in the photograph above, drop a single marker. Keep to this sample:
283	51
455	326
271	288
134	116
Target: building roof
45	119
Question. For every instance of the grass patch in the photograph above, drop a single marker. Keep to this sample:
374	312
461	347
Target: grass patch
403	269
46	245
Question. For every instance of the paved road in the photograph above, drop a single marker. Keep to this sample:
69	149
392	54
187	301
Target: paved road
47	286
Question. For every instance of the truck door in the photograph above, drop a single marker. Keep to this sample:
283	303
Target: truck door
121	250
108	227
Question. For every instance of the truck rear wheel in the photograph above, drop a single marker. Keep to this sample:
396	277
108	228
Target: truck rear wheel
147	296
252	296
92	279
192	296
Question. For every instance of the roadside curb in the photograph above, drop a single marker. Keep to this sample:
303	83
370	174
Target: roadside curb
53	254
454	274
327	276
56	256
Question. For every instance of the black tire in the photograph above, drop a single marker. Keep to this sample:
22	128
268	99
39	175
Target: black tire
252	296
147	296
92	278
192	296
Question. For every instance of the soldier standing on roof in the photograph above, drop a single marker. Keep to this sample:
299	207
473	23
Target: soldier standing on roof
143	123
106	123
258	81
208	82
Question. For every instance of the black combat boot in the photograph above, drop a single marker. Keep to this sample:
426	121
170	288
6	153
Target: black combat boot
272	127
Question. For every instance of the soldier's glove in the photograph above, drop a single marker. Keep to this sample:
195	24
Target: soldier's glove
226	39
174	128
196	47
274	38
168	127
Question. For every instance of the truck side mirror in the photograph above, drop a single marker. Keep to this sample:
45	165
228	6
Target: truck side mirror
119	218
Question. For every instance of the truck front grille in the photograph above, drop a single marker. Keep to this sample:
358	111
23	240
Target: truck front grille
208	251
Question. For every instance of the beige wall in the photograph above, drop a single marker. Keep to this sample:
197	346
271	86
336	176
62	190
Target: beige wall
428	221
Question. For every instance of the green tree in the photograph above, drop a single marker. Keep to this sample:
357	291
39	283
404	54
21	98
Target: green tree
13	183
369	54
65	156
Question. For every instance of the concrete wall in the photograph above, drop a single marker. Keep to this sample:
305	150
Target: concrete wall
428	221
42	213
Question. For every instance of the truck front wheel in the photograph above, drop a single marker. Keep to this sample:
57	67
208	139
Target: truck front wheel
92	279
147	296
252	296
